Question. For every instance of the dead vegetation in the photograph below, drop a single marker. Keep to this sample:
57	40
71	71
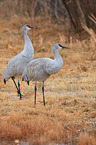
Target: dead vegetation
69	116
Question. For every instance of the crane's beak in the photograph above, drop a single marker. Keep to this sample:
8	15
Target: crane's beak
63	47
33	27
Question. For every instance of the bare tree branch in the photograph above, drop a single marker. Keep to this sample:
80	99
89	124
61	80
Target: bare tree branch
56	12
93	18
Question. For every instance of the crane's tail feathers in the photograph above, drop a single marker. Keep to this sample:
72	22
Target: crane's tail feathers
28	83
22	79
4	81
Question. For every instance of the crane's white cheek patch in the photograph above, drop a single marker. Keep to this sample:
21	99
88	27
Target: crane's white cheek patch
28	28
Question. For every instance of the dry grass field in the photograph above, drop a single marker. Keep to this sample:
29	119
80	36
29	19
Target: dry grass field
69	116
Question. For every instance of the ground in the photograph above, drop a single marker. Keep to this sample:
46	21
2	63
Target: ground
69	116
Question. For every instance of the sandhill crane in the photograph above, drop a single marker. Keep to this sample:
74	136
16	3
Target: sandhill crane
42	68
17	64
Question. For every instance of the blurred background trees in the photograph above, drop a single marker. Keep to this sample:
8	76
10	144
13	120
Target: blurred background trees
78	12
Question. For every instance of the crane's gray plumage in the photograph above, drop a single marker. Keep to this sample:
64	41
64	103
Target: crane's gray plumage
40	69
16	65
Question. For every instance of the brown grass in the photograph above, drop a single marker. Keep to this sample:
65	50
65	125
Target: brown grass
86	139
69	116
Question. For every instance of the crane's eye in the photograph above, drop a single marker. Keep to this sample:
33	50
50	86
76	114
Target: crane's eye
60	45
28	26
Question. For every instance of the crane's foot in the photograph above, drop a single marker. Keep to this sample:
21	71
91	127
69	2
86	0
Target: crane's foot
21	97
19	94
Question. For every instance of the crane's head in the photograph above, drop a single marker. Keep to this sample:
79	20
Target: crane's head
27	27
58	46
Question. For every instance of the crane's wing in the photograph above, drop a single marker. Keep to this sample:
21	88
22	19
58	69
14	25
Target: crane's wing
15	67
35	71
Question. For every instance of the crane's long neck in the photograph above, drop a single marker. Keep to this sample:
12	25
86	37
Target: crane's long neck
54	66
57	56
58	62
28	48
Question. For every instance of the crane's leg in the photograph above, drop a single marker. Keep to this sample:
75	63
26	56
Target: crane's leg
19	89
16	86
43	93
15	83
35	93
